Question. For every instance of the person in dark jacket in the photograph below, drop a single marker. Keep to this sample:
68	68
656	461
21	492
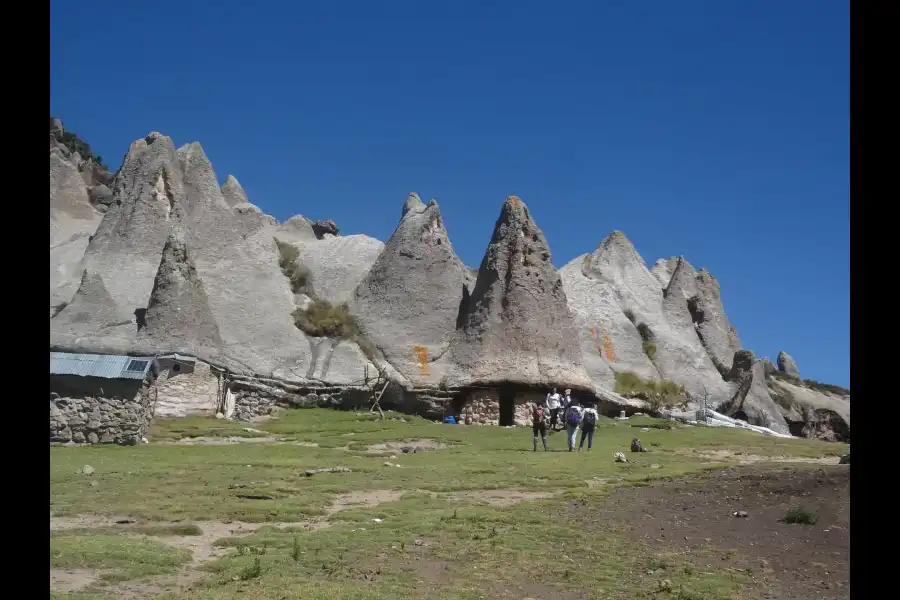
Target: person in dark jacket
539	419
588	425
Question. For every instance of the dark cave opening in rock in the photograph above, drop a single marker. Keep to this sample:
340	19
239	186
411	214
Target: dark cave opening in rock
507	406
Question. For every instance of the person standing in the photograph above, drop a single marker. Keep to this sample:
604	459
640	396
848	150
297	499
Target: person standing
554	401
572	418
588	425
539	424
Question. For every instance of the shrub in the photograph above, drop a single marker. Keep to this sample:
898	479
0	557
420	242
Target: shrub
296	273
645	332
798	514
76	144
630	315
322	319
649	349
658	394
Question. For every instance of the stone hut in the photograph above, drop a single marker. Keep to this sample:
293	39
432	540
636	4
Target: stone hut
97	398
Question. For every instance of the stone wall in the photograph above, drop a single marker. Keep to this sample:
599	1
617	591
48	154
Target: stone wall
483	407
186	388
99	411
258	397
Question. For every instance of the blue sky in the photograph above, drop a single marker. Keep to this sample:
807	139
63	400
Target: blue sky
715	130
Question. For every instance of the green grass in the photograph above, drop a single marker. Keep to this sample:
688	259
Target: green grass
657	393
119	558
358	558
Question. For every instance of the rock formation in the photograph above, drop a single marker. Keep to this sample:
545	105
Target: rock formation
516	326
178	315
233	193
751	401
681	356
600	288
159	258
408	303
787	365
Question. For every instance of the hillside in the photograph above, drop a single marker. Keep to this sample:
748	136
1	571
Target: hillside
160	258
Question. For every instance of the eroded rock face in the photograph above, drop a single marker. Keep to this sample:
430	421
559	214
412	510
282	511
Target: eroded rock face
811	413
681	356
787	365
718	335
337	265
178	314
325	227
600	288
516	326
233	193
408	303
296	230
751	401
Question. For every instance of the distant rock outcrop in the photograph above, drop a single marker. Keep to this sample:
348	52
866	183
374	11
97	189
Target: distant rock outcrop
787	365
812	413
408	303
337	265
751	401
323	228
516	326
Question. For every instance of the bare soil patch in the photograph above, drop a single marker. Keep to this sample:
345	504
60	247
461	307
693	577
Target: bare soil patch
696	516
65	581
410	446
500	497
224	441
749	459
366	498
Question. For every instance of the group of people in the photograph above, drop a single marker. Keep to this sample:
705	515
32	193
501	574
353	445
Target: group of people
560	411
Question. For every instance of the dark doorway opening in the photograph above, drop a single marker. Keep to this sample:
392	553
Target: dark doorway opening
507	406
740	414
140	316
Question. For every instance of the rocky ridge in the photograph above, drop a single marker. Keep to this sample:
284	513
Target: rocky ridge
159	258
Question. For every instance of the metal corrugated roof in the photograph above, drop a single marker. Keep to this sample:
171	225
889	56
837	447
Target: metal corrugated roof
100	365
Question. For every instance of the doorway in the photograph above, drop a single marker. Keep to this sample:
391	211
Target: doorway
507	406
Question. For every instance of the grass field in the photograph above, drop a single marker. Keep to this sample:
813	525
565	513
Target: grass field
211	509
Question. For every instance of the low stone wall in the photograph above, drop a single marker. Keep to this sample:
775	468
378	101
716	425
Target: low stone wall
257	397
483	407
101	419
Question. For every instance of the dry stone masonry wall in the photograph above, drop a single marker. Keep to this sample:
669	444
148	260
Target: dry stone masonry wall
99	419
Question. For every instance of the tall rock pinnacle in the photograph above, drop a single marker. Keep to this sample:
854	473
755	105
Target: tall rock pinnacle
516	326
408	303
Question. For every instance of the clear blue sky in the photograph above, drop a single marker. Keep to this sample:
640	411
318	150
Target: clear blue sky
718	130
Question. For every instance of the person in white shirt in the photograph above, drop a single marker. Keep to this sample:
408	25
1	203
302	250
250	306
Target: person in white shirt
588	425
554	401
572	417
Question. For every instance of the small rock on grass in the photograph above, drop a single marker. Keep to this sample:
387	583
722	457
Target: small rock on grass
87	470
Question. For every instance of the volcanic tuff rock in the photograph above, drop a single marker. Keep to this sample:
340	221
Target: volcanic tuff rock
325	227
812	413
408	303
787	365
516	326
178	314
681	356
233	193
751	401
337	264
600	287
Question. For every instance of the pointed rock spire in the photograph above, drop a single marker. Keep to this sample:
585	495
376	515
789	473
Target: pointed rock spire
787	365
517	326
719	336
413	203
178	315
233	193
408	303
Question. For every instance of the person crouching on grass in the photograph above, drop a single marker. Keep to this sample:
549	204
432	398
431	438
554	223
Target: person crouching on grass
588	425
539	424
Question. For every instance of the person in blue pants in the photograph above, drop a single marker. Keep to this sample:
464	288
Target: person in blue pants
588	425
572	419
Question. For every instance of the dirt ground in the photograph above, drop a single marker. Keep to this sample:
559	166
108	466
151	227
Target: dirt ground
696	515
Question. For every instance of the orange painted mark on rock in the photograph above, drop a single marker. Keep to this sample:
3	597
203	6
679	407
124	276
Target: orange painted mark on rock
421	353
608	348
